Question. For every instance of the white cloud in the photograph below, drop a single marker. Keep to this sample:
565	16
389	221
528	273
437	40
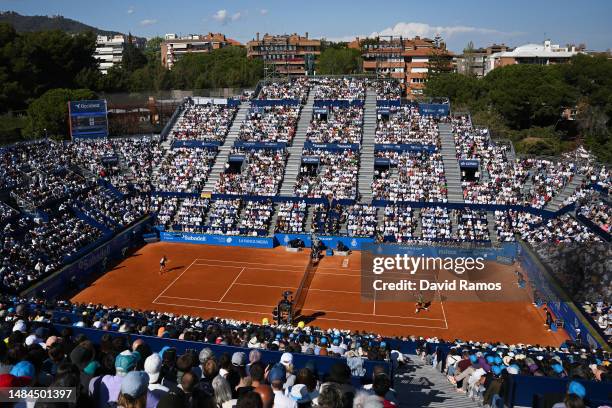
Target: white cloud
263	12
411	29
223	17
148	22
131	10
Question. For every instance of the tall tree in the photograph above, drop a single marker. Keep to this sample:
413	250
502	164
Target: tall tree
337	61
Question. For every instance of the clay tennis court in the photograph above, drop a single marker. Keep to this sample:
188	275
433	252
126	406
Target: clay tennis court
246	284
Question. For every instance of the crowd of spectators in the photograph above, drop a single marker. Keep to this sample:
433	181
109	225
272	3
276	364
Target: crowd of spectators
471	225
256	217
599	212
406	125
270	124
335	177
563	229
165	209
362	220
342	125
412	176
184	170
223	217
191	214
261	174
6	213
387	90
399	223
340	88
115	371
482	370
291	217
208	122
510	223
294	88
327	220
31	249
112	211
436	224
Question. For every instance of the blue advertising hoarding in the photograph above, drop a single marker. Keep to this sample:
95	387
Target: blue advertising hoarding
88	119
211	239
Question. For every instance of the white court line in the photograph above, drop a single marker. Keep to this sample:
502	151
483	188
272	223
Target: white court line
318	318
294	287
312	310
302	271
216	301
230	286
442	306
172	283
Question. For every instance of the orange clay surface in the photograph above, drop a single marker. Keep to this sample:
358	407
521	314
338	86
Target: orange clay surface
246	284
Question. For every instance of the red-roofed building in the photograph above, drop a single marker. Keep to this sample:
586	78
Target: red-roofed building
289	54
408	60
174	47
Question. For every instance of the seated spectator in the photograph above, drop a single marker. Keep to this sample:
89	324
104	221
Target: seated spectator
208	122
270	124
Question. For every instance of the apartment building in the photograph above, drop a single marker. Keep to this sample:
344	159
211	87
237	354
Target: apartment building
474	61
109	51
288	54
174	47
406	59
540	54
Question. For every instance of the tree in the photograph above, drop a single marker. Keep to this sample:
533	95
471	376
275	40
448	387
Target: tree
338	61
48	114
132	58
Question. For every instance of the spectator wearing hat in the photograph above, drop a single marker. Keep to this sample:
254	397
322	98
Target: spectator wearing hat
574	397
133	390
287	361
276	378
105	389
81	356
152	366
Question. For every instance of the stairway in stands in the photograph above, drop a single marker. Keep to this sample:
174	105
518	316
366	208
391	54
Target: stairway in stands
491	227
557	202
294	161
226	147
366	160
419	385
451	165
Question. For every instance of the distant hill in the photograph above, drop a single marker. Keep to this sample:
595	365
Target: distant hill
41	23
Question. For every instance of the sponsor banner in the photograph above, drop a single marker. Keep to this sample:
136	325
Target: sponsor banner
236	158
212	239
192	144
343	103
434	109
353	243
405	147
389	102
311	159
320	110
260	145
382	161
198	100
275	102
470	164
331	146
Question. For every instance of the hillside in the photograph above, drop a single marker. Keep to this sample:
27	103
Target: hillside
40	23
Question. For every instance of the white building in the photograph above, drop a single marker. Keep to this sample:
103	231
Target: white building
539	54
109	51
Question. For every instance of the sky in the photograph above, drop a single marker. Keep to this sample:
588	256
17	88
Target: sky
512	22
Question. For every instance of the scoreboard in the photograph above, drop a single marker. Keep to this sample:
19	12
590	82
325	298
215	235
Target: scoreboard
88	119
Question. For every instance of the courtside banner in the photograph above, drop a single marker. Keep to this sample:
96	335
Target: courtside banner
433	274
211	239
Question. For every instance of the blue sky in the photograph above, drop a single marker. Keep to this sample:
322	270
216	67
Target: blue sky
514	22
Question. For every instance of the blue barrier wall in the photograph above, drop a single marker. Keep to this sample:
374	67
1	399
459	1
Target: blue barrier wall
523	388
299	360
275	102
331	146
338	102
353	243
283	239
405	147
195	143
95	261
211	239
